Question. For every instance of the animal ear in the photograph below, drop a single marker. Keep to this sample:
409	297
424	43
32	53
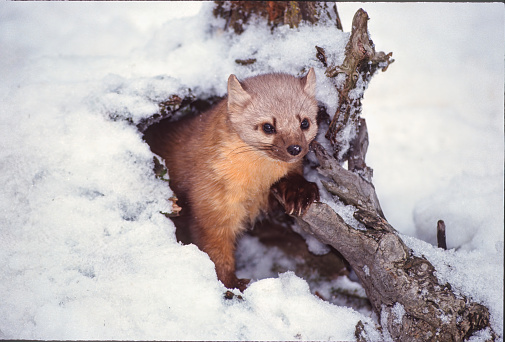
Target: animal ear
237	96
309	83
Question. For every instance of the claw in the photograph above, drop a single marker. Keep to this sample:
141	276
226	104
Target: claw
297	193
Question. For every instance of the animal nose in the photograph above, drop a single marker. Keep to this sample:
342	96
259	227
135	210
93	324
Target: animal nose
294	150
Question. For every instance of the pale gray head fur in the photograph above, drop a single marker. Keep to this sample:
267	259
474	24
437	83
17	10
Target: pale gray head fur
284	102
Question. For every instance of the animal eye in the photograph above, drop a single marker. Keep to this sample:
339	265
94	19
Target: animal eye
305	124
268	128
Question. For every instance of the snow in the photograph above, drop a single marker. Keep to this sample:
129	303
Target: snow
477	274
84	248
398	311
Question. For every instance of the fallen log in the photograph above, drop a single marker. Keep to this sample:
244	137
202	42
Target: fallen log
402	287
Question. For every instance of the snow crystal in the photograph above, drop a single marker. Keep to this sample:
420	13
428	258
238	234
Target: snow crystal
314	245
134	99
345	211
284	302
398	311
476	274
483	335
384	324
366	269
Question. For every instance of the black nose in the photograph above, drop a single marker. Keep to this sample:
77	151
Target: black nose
294	150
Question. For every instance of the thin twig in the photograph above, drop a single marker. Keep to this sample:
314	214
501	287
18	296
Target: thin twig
442	243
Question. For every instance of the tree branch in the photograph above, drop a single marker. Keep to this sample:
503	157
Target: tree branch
441	235
360	63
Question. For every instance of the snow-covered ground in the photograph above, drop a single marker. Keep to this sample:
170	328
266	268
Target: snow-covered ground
84	250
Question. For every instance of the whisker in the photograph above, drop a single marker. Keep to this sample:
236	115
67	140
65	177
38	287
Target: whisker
252	148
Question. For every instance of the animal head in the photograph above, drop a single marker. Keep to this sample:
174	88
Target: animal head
275	113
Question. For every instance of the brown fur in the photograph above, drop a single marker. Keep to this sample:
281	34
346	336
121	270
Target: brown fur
222	164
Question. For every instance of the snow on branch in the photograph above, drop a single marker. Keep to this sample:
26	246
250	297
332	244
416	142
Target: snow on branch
360	64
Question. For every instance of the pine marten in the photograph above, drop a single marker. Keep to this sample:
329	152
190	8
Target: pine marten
224	163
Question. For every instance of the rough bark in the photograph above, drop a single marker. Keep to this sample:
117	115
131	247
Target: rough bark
238	13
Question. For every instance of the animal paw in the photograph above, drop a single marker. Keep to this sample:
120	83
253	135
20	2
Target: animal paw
232	282
242	284
296	192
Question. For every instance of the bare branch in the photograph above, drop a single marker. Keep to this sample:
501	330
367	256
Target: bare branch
441	235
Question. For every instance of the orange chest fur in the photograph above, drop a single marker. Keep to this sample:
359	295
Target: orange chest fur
246	173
